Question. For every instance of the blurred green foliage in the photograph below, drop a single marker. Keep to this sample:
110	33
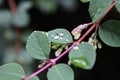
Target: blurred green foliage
12	23
1	2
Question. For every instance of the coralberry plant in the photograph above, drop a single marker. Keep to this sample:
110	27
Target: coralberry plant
81	53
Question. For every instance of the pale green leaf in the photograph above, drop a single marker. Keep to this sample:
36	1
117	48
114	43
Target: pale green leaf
38	45
60	36
60	72
5	17
46	6
84	1
11	71
20	19
83	55
1	2
25	5
97	8
68	5
34	78
109	33
118	5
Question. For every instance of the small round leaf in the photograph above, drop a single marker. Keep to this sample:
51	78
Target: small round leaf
60	72
11	71
109	33
60	36
83	55
97	8
38	45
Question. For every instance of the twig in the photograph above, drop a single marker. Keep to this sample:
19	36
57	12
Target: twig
13	8
53	61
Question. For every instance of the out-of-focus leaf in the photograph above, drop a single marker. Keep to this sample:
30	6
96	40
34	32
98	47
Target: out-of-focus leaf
11	71
84	1
97	8
10	55
21	19
68	5
60	72
25	5
47	6
5	17
118	5
34	78
109	33
1	2
25	58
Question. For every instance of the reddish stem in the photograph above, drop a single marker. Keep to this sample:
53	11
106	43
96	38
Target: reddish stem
108	10
13	8
53	61
39	71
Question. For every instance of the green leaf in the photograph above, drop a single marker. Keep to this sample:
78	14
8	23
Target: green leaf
38	45
34	78
81	62
84	1
1	2
83	55
97	8
47	6
118	5
25	5
5	17
109	33
60	72
20	19
68	5
60	36
11	71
